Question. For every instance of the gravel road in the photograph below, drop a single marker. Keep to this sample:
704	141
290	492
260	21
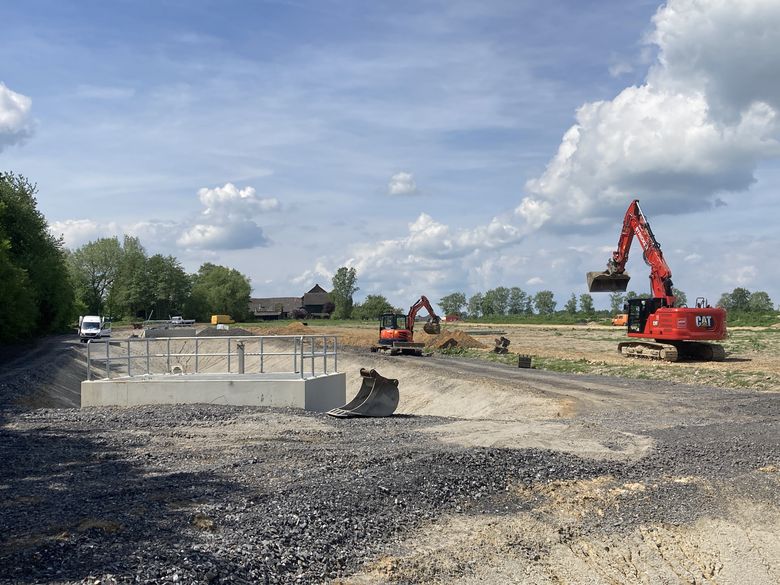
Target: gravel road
216	494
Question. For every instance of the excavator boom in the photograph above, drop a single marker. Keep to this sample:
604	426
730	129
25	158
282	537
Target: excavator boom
615	278
433	325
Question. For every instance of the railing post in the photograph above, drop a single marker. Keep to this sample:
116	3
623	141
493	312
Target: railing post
240	350
324	355
148	364
89	361
262	356
128	358
311	340
168	358
196	355
228	352
335	354
108	360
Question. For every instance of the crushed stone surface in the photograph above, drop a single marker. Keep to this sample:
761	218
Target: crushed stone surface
219	494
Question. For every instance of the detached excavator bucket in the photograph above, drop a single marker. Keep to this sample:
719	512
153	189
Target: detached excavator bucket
378	396
432	327
606	282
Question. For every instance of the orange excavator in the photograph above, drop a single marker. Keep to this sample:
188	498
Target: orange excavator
396	330
669	333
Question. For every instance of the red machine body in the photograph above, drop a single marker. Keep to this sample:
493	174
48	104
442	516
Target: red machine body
396	330
682	328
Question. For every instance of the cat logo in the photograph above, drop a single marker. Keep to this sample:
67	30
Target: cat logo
704	321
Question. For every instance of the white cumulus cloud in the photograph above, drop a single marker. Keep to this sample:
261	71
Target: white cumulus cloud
236	235
229	200
402	184
226	223
704	118
15	122
77	232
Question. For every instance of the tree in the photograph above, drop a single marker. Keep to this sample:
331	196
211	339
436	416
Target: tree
760	302
453	303
170	287
18	305
736	300
544	302
632	295
571	305
344	286
489	304
372	308
130	294
517	301
95	266
501	303
680	298
586	304
616	300
218	290
475	305
33	263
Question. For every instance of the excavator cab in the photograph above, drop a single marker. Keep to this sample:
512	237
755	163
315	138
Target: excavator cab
392	321
638	312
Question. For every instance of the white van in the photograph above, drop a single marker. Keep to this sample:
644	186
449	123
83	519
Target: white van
93	327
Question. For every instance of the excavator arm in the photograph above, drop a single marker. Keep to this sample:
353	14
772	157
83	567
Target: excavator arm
615	278
433	324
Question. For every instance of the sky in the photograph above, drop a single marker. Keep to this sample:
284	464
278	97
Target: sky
434	145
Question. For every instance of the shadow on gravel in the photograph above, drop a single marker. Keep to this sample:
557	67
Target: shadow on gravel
71	507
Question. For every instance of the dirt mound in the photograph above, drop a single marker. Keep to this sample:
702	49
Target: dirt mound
295	328
449	339
214	332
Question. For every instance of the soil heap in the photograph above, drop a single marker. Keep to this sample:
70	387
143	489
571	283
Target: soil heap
450	339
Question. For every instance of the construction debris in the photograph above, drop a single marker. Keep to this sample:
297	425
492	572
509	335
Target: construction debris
502	345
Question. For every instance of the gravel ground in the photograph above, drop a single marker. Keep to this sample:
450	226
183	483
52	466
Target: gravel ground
216	494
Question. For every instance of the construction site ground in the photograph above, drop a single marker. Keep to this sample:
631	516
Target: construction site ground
587	468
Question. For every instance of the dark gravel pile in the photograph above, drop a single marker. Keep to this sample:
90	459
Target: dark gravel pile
111	492
293	509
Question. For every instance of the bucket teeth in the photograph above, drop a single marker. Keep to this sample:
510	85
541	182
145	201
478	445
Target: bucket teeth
606	282
377	396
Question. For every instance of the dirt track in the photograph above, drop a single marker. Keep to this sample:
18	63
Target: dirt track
495	474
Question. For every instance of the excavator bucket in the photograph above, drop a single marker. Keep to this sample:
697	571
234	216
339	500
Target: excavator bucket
432	327
606	282
378	396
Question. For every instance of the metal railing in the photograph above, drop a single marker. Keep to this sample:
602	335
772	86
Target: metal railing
279	354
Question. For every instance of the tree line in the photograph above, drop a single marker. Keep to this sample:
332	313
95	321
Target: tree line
514	301
46	286
36	294
121	280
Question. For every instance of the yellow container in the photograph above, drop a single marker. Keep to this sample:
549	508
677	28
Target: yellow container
220	319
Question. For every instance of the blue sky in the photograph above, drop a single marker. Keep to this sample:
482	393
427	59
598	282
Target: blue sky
435	146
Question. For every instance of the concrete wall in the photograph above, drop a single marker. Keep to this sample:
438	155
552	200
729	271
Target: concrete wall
320	393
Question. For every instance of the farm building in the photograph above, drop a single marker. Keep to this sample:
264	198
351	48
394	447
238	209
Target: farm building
313	302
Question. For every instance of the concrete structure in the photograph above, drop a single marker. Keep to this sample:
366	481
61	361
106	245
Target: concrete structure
317	393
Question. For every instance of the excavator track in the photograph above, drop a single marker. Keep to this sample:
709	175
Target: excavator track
649	350
705	352
688	350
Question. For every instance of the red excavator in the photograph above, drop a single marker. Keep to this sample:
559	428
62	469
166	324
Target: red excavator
677	332
396	330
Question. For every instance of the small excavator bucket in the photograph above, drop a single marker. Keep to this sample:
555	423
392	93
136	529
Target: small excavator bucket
378	396
606	282
432	327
